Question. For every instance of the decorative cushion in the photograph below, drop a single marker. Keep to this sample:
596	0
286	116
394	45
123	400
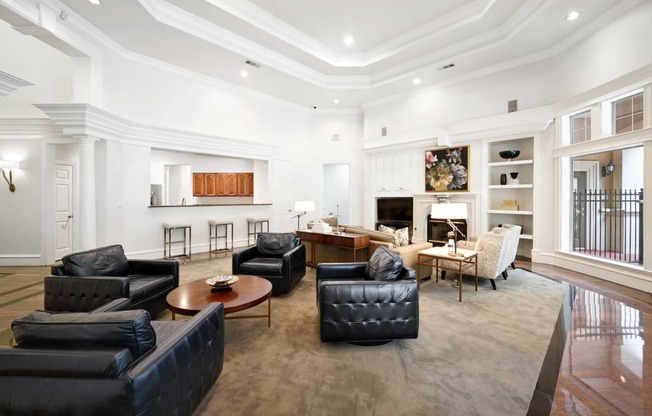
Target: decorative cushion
402	233
275	244
123	329
103	261
384	264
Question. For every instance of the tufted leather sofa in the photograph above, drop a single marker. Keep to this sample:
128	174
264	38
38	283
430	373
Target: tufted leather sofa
355	306
110	362
277	257
88	279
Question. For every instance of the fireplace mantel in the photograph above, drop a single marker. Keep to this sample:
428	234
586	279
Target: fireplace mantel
423	204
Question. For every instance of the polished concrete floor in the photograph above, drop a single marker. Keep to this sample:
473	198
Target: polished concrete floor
606	366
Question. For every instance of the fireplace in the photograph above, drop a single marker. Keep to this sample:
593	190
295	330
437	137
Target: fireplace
438	230
422	207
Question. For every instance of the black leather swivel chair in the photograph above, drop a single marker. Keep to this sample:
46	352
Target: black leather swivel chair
277	257
368	303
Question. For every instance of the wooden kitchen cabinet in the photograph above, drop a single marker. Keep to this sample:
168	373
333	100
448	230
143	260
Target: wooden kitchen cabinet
198	184
209	184
245	184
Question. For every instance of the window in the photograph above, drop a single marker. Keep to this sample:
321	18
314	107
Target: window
628	114
580	125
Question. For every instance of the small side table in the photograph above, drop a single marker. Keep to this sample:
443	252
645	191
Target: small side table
186	240
432	257
214	236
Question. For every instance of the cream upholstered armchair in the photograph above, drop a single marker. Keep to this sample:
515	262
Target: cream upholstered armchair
513	238
493	249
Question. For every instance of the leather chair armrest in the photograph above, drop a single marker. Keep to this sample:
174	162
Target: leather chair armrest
294	261
190	360
241	256
341	271
156	267
82	293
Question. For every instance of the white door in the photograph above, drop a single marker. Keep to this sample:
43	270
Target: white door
63	214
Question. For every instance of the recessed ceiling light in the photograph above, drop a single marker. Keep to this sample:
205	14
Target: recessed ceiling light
348	40
416	81
97	2
244	74
573	15
336	101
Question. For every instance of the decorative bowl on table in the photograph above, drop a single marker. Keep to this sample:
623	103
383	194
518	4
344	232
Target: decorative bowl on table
222	280
509	154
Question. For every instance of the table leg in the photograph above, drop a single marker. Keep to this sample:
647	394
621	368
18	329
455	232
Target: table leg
460	280
269	312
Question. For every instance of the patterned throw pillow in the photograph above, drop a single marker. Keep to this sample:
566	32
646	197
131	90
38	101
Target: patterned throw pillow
402	233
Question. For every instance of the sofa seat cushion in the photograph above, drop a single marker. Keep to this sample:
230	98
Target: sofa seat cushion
103	261
275	244
265	266
40	362
142	286
384	264
123	329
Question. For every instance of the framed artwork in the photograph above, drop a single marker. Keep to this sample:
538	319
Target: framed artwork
447	170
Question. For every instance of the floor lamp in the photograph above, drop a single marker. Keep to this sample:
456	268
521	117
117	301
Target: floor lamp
305	206
447	211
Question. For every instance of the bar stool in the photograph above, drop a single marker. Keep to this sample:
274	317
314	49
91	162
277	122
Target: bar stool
168	241
255	223
213	236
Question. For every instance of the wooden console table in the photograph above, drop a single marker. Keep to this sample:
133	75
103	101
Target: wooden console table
348	241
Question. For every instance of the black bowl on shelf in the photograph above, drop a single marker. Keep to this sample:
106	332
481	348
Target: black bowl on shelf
509	154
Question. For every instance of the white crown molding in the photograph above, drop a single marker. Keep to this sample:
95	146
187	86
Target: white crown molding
501	125
32	129
10	83
84	120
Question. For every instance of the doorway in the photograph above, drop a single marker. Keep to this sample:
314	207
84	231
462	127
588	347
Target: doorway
336	191
63	209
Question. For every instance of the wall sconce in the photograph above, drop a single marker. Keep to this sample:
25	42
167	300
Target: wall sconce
9	164
608	170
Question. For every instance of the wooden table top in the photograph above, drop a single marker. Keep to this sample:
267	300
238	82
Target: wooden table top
247	292
343	239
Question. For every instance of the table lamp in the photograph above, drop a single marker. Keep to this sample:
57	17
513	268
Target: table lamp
304	206
448	212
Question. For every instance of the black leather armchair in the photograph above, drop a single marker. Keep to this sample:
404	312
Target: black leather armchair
88	279
111	363
277	257
354	308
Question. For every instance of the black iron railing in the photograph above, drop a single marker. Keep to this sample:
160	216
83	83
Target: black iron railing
609	224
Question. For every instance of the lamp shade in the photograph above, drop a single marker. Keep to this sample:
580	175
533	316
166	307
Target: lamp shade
9	164
446	211
304	206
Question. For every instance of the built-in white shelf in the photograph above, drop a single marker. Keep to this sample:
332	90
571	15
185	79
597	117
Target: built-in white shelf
508	212
520	186
511	163
526	236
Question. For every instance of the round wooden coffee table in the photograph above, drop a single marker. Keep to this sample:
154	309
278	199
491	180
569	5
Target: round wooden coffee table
247	292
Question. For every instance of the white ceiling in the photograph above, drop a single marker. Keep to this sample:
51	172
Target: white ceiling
299	43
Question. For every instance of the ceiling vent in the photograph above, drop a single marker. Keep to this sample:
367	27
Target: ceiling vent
252	63
446	67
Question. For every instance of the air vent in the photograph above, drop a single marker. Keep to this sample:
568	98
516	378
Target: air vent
252	63
446	67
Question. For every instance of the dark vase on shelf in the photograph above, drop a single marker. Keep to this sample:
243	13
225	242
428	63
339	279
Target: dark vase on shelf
503	179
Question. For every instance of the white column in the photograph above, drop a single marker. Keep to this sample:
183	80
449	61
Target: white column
87	210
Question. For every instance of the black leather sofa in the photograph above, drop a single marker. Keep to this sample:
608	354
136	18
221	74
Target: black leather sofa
370	302
89	279
110	362
277	257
